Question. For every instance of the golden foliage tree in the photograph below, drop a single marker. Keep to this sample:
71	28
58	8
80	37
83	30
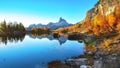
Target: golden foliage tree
111	19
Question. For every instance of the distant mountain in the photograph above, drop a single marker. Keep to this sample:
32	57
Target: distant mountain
34	25
61	23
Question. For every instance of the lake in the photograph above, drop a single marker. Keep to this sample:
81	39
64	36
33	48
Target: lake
37	51
46	51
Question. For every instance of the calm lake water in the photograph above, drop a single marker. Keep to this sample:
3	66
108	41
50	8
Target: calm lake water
36	52
45	51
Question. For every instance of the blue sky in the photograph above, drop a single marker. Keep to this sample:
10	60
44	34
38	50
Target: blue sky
44	11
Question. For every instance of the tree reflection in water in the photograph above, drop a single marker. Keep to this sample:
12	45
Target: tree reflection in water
15	38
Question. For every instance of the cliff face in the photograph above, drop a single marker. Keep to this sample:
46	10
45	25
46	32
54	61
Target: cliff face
103	17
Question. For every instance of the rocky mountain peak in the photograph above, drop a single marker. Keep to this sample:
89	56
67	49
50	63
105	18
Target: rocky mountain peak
62	20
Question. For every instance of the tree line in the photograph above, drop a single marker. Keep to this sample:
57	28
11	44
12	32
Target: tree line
11	29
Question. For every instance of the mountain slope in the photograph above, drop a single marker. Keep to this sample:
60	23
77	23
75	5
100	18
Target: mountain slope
61	23
104	17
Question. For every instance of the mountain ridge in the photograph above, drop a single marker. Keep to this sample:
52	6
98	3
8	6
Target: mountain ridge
61	23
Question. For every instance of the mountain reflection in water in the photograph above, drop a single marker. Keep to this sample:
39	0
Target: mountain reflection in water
61	39
92	56
5	40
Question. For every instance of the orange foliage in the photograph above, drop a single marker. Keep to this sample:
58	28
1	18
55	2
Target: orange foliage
117	13
96	30
99	23
99	20
111	19
118	26
102	22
